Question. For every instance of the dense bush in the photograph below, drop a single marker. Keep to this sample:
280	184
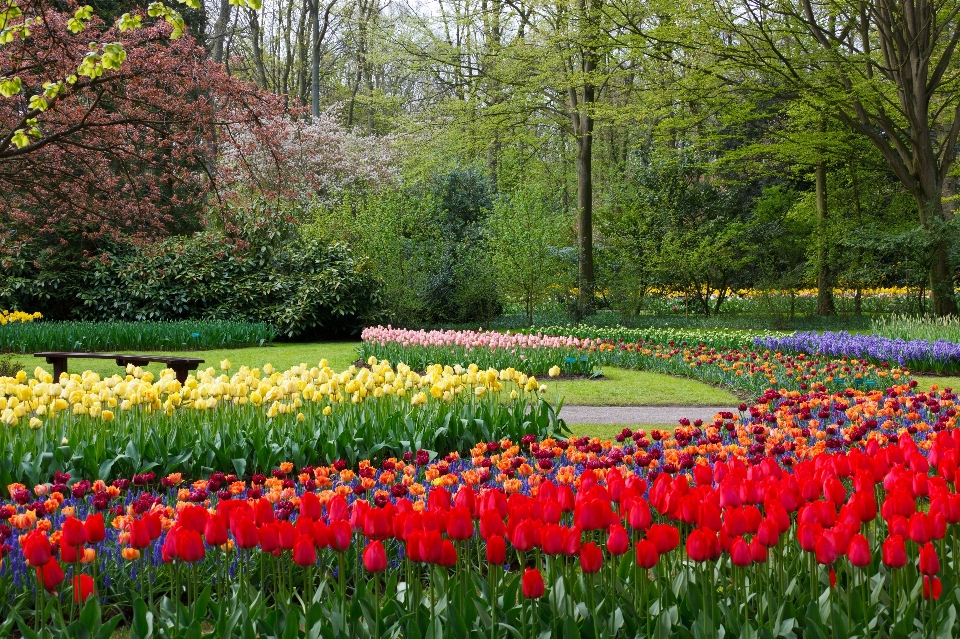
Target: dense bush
304	287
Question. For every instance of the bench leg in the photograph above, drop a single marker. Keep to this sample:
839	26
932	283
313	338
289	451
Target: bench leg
181	371
59	366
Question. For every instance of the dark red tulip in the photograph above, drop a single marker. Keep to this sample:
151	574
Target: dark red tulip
768	534
932	588
929	563
70	554
338	536
94	528
304	551
591	558
52	575
459	524
618	543
532	584
740	553
190	545
36	548
139	534
859	551
647	556
496	550
894	552
375	557
82	588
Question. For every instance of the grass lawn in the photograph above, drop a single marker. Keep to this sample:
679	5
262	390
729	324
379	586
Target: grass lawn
941	382
638	388
339	355
609	431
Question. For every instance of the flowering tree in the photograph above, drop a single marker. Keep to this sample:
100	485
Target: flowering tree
308	160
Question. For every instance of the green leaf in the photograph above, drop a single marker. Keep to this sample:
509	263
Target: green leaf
141	626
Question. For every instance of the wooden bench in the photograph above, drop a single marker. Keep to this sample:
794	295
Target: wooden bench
181	365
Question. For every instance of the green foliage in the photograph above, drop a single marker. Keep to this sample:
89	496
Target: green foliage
186	335
9	367
302	286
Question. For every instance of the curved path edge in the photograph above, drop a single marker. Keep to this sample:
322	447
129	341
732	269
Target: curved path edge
575	414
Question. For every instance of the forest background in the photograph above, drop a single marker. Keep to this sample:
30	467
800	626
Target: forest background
327	164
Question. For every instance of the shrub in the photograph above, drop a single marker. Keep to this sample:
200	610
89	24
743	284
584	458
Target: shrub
305	288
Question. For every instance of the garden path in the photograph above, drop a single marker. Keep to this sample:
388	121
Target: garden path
574	414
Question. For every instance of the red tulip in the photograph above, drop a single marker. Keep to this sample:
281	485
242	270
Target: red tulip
459	524
647	556
768	534
190	545
321	535
52	575
169	550
571	543
82	588
807	535
929	562
532	584
550	511
339	535
491	523
552	537
93	526
859	551
193	518
525	536
618	543
378	523
638	514
826	549
269	536
448	554
920	529
698	545
375	557
139	534
894	552
36	549
496	550
70	554
932	588
467	498
337	508
758	552
439	499
740	553
592	515
591	558
245	532
263	512
215	530
287	535
431	547
73	533
310	506
154	525
304	552
664	537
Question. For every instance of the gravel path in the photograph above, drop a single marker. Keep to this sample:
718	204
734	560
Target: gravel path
638	414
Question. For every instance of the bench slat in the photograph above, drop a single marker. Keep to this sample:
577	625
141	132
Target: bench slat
180	365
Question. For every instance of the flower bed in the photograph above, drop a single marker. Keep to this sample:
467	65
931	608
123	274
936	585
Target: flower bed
256	418
806	515
938	356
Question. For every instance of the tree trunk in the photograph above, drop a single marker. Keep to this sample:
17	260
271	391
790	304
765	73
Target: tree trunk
220	31
256	39
585	220
315	58
825	305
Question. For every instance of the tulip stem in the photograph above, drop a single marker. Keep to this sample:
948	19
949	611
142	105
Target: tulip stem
593	609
